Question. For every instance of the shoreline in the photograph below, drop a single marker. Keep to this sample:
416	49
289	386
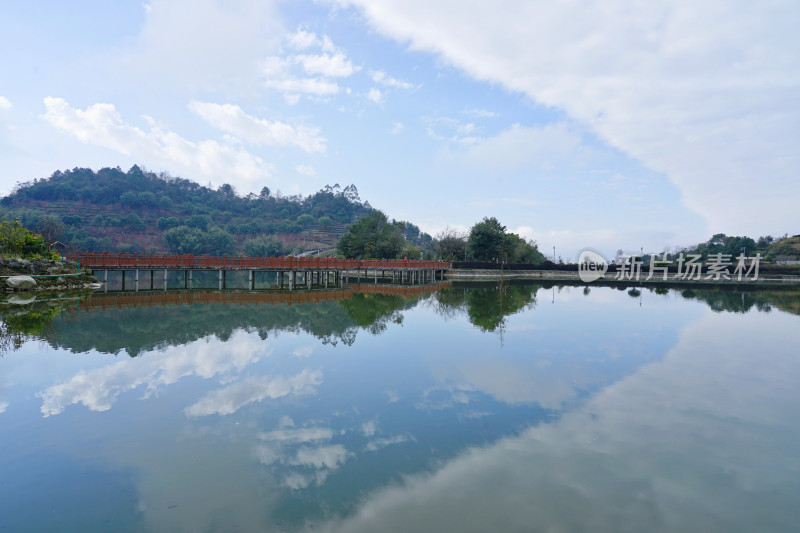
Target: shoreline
560	275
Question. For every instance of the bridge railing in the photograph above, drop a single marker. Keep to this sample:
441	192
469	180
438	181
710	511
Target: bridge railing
99	260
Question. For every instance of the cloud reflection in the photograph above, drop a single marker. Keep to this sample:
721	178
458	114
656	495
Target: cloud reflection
100	388
230	399
307	464
704	440
376	444
330	457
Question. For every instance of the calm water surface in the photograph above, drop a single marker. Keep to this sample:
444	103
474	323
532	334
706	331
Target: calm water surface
467	408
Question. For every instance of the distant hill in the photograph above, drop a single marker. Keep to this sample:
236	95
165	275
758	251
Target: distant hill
138	211
785	249
771	249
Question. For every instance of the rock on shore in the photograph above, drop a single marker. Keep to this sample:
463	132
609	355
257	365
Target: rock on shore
50	275
21	282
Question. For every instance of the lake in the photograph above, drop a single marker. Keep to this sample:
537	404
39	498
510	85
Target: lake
459	407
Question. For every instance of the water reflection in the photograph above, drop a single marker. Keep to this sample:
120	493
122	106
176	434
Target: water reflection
26	316
140	322
486	304
694	442
98	389
387	411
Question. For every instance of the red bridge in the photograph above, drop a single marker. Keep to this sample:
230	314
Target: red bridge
302	271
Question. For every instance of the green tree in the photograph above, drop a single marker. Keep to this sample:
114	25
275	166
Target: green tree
132	221
50	228
372	237
264	246
518	250
305	219
165	202
487	239
165	223
218	242
199	221
184	240
450	244
17	240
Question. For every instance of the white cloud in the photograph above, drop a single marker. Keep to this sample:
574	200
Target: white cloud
315	86
327	44
230	399
450	129
323	459
274	66
206	44
232	119
99	388
377	444
102	125
480	113
287	436
3	407
266	455
302	39
332	66
702	92
279	74
369	428
378	76
375	96
4	103
553	145
397	127
297	481
392	397
306	170
330	457
507	382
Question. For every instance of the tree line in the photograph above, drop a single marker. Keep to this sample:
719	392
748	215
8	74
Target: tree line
374	236
770	248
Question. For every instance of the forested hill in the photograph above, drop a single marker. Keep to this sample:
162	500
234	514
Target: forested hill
139	211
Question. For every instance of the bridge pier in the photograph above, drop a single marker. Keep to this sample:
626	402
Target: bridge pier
314	272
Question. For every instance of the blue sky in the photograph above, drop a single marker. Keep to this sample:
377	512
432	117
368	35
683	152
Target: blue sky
614	124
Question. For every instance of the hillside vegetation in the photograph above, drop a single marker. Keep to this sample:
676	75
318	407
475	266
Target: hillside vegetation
139	211
770	248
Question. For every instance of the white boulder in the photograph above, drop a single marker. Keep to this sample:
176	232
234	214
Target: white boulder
21	282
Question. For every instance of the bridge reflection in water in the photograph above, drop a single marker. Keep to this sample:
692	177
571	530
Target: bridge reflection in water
127	299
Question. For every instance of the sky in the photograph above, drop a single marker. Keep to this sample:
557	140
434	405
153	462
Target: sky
614	125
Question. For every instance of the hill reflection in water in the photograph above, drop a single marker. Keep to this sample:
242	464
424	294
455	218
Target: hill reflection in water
468	407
